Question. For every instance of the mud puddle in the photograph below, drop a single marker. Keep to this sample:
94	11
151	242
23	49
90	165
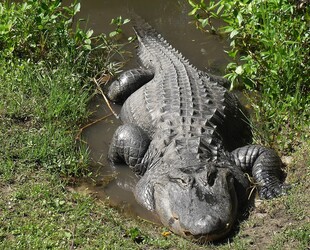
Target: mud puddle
108	182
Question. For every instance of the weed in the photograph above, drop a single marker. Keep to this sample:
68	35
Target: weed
270	46
44	99
119	22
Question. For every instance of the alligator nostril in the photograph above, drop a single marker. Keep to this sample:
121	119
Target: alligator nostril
175	217
211	178
229	178
187	233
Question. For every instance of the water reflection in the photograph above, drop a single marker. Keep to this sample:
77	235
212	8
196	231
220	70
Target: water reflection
169	17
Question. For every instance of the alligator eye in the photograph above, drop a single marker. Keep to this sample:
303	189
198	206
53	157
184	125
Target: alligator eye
184	181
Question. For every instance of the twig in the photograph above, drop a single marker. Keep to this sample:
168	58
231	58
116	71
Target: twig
78	136
251	192
148	221
253	187
105	98
73	234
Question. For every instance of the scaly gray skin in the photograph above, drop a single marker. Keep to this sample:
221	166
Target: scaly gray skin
185	135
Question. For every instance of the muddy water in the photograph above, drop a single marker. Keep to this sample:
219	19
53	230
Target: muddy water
168	17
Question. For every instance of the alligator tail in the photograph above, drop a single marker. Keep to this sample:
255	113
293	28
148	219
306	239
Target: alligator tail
142	28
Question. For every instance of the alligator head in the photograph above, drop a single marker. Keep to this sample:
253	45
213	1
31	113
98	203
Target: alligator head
197	201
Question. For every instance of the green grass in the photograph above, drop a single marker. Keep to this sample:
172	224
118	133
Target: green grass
38	213
44	98
44	94
41	112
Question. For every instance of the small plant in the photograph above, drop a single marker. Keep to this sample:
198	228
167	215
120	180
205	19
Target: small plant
119	22
135	234
47	31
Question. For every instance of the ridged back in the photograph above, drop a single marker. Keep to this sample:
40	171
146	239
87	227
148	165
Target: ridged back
180	98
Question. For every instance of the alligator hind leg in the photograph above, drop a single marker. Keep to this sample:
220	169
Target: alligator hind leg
127	83
129	144
266	168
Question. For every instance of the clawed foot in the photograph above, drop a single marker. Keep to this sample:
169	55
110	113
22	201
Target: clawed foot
274	190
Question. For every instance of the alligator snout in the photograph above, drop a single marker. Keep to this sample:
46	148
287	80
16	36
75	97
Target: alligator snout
208	236
205	226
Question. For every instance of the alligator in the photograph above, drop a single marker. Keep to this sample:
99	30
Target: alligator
188	139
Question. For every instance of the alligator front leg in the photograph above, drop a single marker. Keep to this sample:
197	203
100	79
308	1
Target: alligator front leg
266	168
129	144
127	83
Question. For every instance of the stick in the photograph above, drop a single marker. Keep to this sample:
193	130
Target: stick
78	136
105	98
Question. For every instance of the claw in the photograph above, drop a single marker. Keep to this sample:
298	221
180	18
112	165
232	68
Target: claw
273	191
